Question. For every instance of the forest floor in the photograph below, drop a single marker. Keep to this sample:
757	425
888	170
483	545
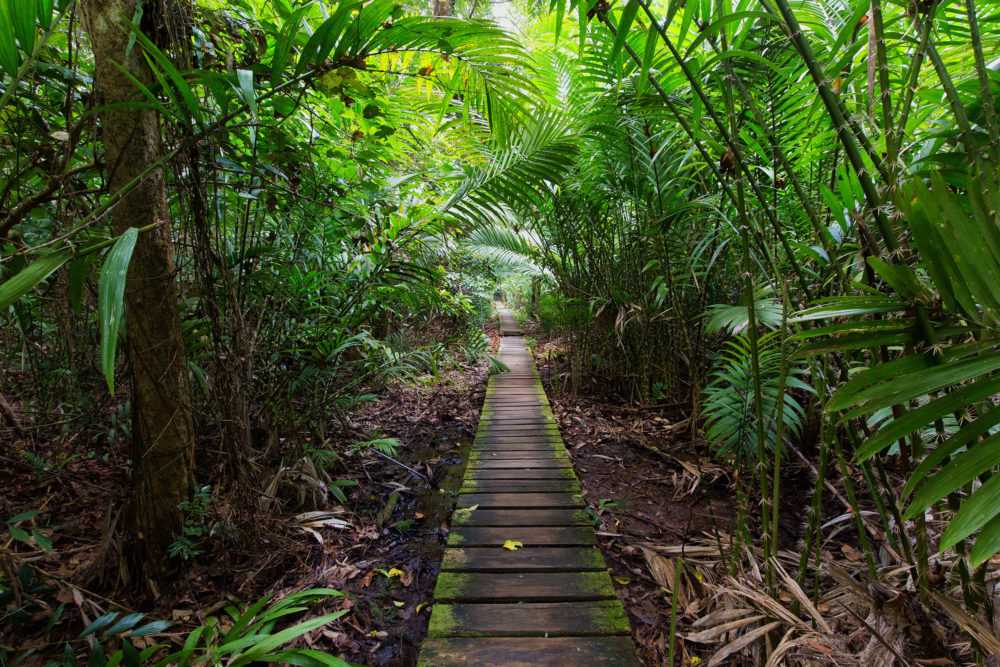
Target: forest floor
382	547
652	489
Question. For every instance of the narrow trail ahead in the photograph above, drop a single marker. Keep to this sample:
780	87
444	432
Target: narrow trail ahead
550	601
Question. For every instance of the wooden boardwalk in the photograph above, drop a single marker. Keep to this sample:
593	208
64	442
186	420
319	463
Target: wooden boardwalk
550	601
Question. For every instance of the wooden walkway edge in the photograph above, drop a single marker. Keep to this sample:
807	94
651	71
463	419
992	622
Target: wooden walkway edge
550	601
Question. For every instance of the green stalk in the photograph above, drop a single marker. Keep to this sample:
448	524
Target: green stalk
882	66
816	509
822	234
673	610
982	74
894	142
840	122
727	137
957	108
757	393
779	432
852	497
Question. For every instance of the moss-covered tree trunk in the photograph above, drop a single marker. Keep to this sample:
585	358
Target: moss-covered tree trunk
163	436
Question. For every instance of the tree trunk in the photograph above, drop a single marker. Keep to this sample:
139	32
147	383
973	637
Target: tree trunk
163	435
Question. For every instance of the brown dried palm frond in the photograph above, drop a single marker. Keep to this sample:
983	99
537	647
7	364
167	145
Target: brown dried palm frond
724	605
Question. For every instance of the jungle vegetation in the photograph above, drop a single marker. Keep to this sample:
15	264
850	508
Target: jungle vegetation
228	223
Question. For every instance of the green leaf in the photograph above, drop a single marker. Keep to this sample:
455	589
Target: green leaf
306	657
272	642
648	54
43	543
955	474
978	509
111	293
988	542
19	534
78	270
99	624
965	435
126	622
34	273
628	15
153	628
245	78
24	24
911	420
8	46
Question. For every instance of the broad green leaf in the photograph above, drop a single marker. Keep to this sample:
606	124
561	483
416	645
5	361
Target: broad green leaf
911	420
624	25
898	390
78	270
955	474
34	273
99	624
306	657
8	46
245	78
271	642
110	300
987	543
968	433
979	508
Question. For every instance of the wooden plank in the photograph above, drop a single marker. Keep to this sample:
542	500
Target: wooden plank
529	517
536	473
520	486
499	448
511	454
519	446
525	559
504	415
495	444
604	617
528	652
516	500
471	587
479	459
519	464
500	437
517	424
530	536
519	430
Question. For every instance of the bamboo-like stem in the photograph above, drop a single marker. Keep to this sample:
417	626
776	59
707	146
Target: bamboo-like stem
779	432
894	141
951	93
982	74
852	497
822	234
882	69
727	136
816	508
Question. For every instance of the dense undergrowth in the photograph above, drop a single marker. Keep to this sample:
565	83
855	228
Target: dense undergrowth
228	229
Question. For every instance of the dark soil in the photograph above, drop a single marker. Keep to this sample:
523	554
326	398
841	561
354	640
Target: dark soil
645	480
